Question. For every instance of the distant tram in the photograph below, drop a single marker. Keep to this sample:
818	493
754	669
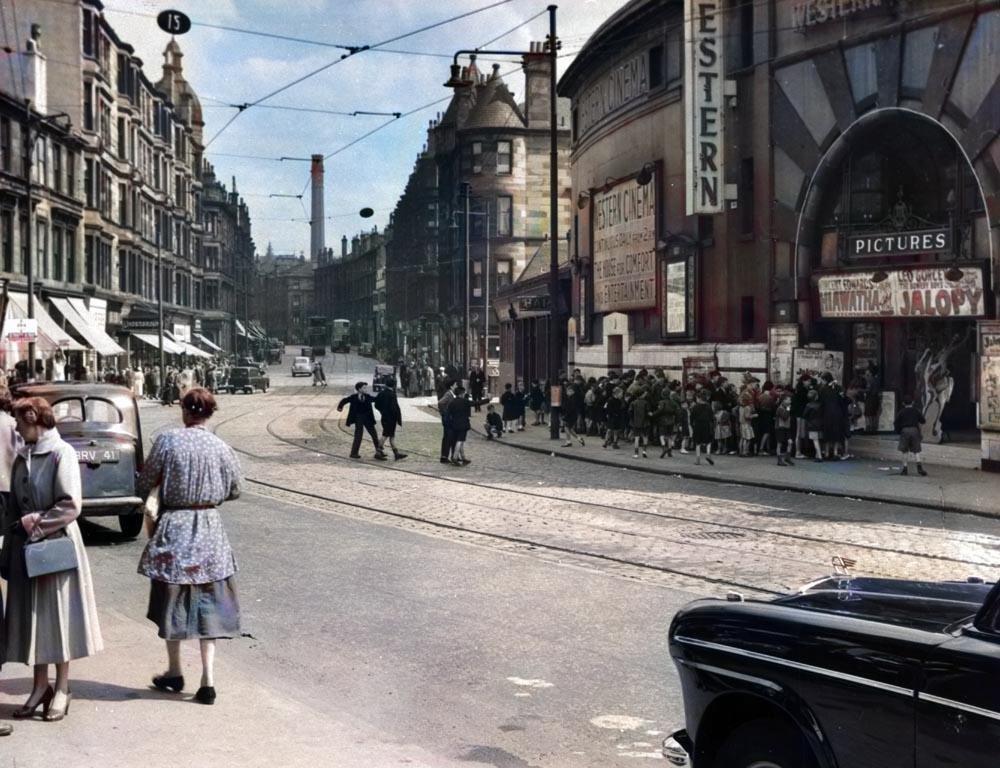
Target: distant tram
323	332
340	335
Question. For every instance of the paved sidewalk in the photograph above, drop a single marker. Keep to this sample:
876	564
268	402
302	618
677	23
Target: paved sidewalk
945	488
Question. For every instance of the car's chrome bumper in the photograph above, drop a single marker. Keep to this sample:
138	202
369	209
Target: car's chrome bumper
676	748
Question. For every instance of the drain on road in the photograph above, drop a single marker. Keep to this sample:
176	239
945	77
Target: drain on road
707	534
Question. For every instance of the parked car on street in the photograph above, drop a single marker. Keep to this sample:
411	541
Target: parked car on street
384	374
244	379
847	673
101	422
301	366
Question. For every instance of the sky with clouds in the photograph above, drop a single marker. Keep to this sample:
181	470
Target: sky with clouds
227	68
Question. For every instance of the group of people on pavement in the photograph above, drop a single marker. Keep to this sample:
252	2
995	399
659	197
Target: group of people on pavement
50	618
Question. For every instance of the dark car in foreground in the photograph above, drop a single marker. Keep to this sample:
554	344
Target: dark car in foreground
101	422
847	673
245	379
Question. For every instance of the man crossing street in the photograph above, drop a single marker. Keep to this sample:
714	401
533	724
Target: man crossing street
361	415
387	404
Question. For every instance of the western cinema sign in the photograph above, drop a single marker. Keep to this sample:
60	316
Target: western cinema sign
923	292
703	102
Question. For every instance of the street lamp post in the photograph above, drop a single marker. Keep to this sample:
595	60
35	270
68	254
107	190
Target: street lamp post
159	302
29	267
456	81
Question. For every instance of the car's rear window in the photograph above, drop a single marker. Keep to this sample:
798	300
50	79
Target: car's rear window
301	360
91	409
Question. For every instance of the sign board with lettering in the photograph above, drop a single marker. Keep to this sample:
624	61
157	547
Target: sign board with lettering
182	332
697	367
20	329
782	339
624	84
918	292
624	247
989	375
810	13
898	243
819	361
703	105
675	298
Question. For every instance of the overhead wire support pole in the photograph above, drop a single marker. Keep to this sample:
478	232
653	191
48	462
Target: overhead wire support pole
554	323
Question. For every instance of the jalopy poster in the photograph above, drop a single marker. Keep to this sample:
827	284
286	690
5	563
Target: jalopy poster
919	292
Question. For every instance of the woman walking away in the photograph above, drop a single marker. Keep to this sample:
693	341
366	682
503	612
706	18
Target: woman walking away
460	414
703	428
535	399
508	403
908	422
51	618
813	416
188	559
570	416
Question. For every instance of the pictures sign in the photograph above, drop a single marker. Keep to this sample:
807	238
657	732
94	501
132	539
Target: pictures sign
819	361
782	339
703	105
625	247
899	243
920	292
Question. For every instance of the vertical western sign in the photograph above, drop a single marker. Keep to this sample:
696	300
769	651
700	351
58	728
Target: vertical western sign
703	102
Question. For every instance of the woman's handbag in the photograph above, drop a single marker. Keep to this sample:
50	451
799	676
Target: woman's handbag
50	555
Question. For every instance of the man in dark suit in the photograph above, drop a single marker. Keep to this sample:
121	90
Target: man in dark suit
361	415
387	404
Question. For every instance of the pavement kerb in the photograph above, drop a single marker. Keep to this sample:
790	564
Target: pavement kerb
942	506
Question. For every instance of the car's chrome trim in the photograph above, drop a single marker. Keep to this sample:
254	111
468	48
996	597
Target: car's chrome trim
729	673
797	665
951	703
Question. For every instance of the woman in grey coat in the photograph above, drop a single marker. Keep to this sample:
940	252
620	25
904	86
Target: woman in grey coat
50	619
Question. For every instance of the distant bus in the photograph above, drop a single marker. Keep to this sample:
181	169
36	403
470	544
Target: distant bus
317	335
340	334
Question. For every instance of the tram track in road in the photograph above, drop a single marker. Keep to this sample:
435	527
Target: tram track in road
715	541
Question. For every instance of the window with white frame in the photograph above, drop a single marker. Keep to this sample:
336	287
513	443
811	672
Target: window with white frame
503	157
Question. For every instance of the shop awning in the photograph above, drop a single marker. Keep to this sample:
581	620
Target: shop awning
50	335
240	330
207	343
192	350
94	336
257	331
170	347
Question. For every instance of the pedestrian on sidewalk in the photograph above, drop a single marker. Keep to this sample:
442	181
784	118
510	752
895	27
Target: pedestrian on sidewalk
702	428
508	404
907	424
447	436
477	385
319	375
746	416
188	558
50	619
361	415
783	431
812	415
521	403
614	413
9	443
535	399
570	414
387	404
639	421
460	417
665	419
723	427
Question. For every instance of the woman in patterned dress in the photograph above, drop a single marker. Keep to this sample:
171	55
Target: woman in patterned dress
188	558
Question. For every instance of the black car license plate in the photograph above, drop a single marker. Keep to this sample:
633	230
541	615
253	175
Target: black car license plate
98	455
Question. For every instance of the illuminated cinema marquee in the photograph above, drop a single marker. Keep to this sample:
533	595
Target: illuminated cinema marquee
703	103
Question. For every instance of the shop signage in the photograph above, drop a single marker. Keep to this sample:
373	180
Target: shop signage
899	243
625	247
703	101
819	361
182	332
18	329
922	292
533	304
140	324
989	375
98	309
782	339
621	86
809	13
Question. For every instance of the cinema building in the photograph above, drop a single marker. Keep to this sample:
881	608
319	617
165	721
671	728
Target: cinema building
794	184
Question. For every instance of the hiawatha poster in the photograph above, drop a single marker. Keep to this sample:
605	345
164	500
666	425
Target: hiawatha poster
923	292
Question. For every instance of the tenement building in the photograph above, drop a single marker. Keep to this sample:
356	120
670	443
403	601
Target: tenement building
285	295
124	201
794	185
352	287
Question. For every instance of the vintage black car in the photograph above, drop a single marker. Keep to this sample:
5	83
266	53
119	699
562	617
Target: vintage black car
101	421
847	673
244	379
